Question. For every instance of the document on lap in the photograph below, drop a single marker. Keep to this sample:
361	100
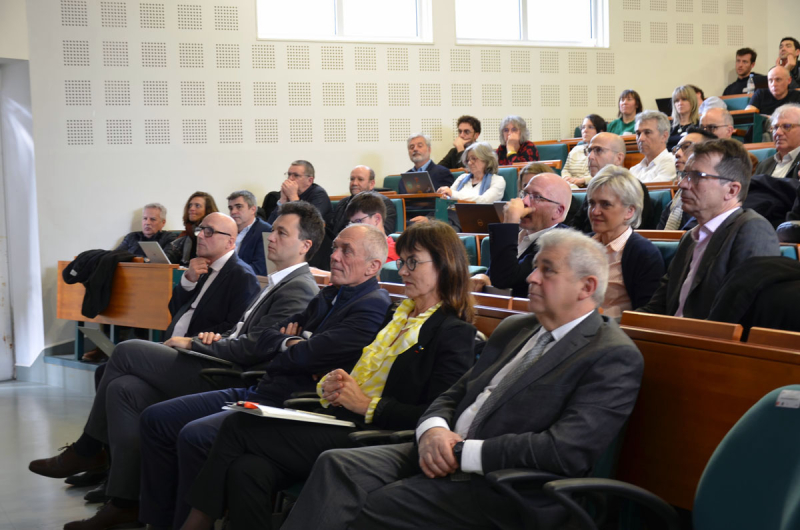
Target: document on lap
265	411
202	356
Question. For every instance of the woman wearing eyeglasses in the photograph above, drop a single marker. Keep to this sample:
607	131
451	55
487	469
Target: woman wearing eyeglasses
184	248
422	351
636	266
576	170
482	184
684	113
514	144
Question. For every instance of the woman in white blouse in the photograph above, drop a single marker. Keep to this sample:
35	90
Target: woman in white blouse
482	184
576	169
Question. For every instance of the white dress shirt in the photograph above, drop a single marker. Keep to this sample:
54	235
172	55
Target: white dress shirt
242	233
471	457
183	323
783	164
660	169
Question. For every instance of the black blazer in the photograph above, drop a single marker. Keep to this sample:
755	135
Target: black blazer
443	353
642	269
251	250
222	304
440	176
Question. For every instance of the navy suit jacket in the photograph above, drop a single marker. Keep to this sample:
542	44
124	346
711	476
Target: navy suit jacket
440	176
251	250
222	304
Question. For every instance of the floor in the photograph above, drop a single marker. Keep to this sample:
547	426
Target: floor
36	420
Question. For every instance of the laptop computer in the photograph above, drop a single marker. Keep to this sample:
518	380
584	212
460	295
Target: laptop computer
418	182
475	218
665	105
154	252
98	338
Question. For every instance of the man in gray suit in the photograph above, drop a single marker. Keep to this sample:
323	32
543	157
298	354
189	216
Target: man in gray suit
142	373
786	135
549	392
713	187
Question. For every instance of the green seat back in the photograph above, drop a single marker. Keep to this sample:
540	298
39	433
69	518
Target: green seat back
389	273
737	103
578	197
667	249
510	176
471	244
486	252
789	251
761	154
392	182
752	479
398	208
660	200
334	203
477	269
553	152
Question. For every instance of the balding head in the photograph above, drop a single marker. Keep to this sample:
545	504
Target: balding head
605	149
362	178
221	241
718	122
359	252
778	80
548	197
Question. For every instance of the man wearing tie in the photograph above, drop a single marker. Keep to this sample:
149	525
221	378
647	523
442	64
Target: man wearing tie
550	392
142	373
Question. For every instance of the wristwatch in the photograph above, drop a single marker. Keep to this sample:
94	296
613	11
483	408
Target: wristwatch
457	450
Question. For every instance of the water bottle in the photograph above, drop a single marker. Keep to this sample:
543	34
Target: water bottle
751	85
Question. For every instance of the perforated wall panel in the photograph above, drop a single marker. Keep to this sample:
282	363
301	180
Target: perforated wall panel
430	95
332	57
193	93
461	94
368	130
154	54
577	62
76	52
428	60
365	58
397	59
266	131
398	95
710	35
190	55
226	18
658	5
113	15
631	5
520	61
735	7
710	7
230	131
548	62
433	128
118	93
551	96
578	96
265	93
334	130
74	13
115	53
118	132
632	31
79	132
190	17
227	55
490	61
605	63
78	93
151	16
155	93
684	6
659	33
300	130
606	96
333	94
492	95
399	129
735	35
684	33
194	131
264	56
298	58
521	95
460	60
551	128
229	93
156	132
367	94
300	94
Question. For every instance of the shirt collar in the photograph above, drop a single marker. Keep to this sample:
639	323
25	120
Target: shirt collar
532	236
221	261
425	167
701	233
278	276
790	156
561	331
619	243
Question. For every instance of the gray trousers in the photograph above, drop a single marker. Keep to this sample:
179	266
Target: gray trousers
138	374
383	487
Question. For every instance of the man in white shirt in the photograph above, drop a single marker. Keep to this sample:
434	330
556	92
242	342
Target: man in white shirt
548	393
786	135
249	241
714	185
652	132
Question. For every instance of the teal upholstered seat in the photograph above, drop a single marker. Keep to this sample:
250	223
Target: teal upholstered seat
486	253
667	249
761	154
789	251
737	103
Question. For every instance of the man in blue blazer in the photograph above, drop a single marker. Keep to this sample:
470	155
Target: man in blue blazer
249	241
419	151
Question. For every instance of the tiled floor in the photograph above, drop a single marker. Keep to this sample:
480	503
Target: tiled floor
35	420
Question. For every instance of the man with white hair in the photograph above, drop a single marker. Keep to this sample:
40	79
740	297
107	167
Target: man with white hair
419	151
652	132
786	135
154	217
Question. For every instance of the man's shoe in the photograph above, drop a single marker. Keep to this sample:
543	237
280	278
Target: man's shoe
97	495
108	516
94	356
83	480
69	463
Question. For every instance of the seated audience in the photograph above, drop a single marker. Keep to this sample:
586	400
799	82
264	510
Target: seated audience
210	297
469	129
328	334
718	122
184	249
530	171
635	265
765	101
481	184
673	217
550	392
684	113
786	134
300	186
630	104
419	151
362	178
423	350
542	205
713	186
788	52
745	62
249	242
367	207
576	170
154	217
652	131
514	144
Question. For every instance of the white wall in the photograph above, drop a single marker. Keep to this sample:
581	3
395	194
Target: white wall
13	30
89	191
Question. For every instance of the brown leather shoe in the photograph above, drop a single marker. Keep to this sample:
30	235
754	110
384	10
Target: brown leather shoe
68	463
108	516
94	356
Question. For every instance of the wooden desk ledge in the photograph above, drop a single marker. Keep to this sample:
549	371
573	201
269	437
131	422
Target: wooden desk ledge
687	326
662	235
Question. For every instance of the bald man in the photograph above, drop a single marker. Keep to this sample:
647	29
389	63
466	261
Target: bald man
765	101
362	178
542	206
212	294
718	122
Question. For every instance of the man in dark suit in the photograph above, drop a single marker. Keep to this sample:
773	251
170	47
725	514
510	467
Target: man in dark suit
786	160
249	242
715	183
142	373
329	334
362	178
512	243
419	151
549	392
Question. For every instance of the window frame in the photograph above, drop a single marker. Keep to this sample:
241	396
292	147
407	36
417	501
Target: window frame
424	29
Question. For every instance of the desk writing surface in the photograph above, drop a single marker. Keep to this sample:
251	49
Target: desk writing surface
139	298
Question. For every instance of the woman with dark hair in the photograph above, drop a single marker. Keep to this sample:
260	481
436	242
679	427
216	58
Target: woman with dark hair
576	169
426	346
630	104
184	248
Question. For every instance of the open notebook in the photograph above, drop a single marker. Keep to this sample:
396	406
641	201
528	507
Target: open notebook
286	414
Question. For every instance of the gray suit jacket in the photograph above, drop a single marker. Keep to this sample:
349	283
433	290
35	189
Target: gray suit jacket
292	295
565	410
744	234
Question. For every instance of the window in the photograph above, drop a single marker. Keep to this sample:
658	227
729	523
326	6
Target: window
582	23
345	20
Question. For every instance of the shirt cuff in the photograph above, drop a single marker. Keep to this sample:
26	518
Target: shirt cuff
284	347
187	284
371	409
472	457
430	423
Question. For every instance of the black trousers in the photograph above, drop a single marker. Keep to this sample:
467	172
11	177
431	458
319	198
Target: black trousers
252	458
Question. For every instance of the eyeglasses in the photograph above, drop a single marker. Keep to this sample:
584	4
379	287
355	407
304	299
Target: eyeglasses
411	263
682	147
535	197
786	127
293	176
208	231
361	219
596	150
712	128
693	177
